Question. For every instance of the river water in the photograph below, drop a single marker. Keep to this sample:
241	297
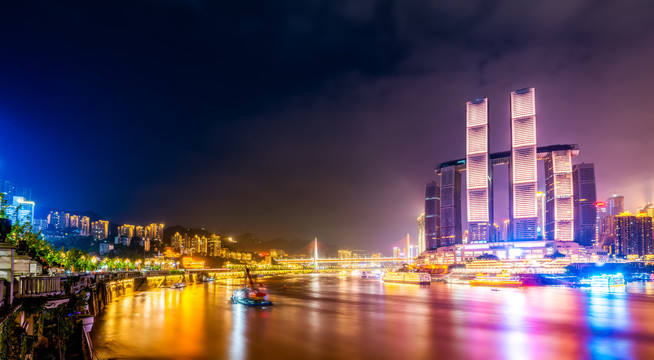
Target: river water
332	317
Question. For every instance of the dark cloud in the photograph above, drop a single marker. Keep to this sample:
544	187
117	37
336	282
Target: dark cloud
314	118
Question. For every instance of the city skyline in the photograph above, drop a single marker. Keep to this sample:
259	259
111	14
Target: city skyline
239	146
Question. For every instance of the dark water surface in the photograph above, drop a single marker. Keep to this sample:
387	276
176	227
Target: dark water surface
331	317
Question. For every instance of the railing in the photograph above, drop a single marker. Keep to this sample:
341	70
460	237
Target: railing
33	286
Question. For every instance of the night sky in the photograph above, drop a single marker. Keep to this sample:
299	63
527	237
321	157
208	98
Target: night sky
308	118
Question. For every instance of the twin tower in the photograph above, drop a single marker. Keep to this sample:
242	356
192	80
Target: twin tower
530	216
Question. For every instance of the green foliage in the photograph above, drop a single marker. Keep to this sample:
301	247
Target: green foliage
43	251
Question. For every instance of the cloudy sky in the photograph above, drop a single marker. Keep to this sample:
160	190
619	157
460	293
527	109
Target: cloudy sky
308	118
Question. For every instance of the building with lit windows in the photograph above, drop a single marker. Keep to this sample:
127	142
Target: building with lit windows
540	224
549	215
56	220
100	229
213	245
478	172
126	230
20	211
85	226
633	234
421	233
74	221
450	205
585	199
559	203
523	178
615	205
432	215
139	231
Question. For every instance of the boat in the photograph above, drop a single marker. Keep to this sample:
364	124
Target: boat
371	274
503	279
178	285
607	281
250	295
406	277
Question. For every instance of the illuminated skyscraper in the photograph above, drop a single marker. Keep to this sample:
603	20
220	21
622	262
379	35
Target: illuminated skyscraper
20	211
450	206
421	233
585	212
432	215
523	177
633	234
615	205
540	225
478	171
559	203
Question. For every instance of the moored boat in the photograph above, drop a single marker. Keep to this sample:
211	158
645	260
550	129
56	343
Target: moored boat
500	280
607	281
405	277
178	285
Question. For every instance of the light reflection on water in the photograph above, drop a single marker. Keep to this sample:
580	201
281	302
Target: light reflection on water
330	317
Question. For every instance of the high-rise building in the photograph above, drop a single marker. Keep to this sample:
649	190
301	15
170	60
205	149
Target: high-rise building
522	177
100	229
154	231
176	241
20	211
74	221
478	172
139	231
540	224
213	246
126	230
585	198
600	211
432	215
66	220
615	205
85	225
56	219
421	233
633	234
559	203
450	206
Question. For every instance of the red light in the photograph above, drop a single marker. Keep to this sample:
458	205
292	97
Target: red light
600	204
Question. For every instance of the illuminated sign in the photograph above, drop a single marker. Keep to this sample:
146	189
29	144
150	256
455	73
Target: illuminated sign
600	204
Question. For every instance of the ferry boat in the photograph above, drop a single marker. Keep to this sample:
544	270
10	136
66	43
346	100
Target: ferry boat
405	277
500	280
250	295
607	281
178	285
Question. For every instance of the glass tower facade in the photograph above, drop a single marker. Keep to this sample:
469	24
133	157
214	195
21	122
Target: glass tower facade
559	202
450	206
432	215
585	197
